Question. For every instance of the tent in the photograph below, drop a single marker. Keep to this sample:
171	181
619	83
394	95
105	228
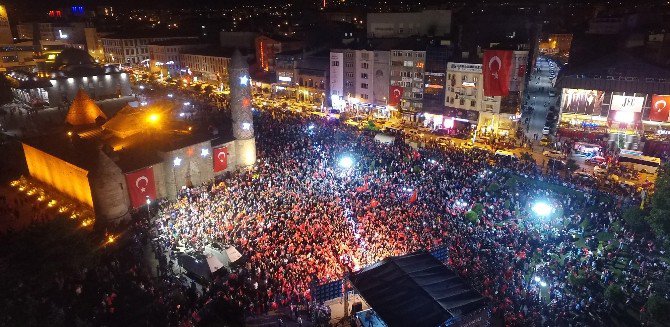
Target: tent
417	290
83	110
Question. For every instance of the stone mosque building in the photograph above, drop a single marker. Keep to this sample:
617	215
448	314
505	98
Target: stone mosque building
116	164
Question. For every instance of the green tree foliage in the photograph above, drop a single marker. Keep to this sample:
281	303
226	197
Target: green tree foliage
472	216
635	219
614	294
571	165
658	309
493	187
659	217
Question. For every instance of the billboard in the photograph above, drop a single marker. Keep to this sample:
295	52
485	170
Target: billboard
588	102
627	103
659	110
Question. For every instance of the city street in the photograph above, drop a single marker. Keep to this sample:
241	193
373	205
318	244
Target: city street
539	99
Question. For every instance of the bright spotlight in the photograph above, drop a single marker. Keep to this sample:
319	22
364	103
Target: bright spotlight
543	283
170	95
542	209
346	162
311	126
537	279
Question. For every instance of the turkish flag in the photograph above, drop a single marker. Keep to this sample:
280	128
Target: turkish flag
414	196
496	69
660	108
395	95
220	159
141	184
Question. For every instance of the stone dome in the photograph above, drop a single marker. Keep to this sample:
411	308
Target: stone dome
74	57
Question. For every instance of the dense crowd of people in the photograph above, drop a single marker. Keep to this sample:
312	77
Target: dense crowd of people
300	218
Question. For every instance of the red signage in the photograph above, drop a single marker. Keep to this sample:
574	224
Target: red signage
220	159
496	71
395	95
660	108
141	185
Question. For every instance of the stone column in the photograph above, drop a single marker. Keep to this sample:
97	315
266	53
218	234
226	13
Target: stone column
240	106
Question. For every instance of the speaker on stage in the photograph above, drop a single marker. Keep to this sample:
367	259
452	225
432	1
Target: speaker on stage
356	307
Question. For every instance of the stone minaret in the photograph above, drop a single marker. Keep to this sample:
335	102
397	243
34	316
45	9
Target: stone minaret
240	106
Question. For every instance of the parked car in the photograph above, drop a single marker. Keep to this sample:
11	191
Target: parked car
503	153
554	154
546	130
545	141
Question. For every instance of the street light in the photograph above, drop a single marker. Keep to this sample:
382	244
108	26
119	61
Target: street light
346	162
542	209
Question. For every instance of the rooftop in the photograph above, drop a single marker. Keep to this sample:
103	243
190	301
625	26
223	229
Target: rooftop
179	41
617	72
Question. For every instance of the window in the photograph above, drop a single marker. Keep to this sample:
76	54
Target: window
365	56
350	75
364	65
462	102
364	85
348	64
364	75
348	83
408	63
335	64
349	54
418	75
419	55
364	96
473	103
418	96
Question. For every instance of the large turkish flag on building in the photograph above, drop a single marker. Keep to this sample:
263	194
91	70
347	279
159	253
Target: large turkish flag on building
496	70
660	108
395	95
220	159
141	184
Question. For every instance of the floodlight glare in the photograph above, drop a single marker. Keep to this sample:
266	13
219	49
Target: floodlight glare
346	162
542	209
311	126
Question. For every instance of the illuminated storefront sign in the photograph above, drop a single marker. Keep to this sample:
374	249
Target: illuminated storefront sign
627	103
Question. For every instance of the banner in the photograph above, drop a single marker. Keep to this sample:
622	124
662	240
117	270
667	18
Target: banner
496	69
627	103
659	108
587	102
220	158
141	184
395	95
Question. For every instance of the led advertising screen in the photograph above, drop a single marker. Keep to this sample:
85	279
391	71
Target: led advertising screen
627	103
588	102
659	110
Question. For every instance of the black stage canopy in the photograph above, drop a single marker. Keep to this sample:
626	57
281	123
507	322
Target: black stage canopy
416	290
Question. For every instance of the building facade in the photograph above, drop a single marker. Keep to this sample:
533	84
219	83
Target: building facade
359	77
129	50
210	65
407	72
164	56
401	25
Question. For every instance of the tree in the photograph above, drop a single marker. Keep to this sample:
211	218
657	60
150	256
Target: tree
614	294
659	217
634	217
571	165
525	156
472	216
493	187
658	308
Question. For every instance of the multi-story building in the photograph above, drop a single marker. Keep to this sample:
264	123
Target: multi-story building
129	50
164	56
400	25
407	71
618	97
267	48
312	78
359	77
38	31
18	57
434	81
465	99
209	64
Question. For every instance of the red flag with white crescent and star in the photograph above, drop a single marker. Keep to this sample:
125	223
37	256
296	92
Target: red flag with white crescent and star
141	184
496	68
220	159
395	95
660	108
